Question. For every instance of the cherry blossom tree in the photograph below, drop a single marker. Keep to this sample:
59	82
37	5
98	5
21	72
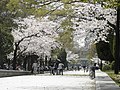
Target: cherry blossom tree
91	13
88	22
93	19
71	56
34	36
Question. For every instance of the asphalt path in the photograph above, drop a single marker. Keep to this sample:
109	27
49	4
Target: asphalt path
71	80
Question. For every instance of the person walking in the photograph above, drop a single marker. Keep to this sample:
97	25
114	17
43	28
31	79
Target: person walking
35	67
92	71
56	68
60	68
84	68
51	67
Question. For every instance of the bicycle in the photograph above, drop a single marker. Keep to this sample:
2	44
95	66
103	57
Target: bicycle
92	74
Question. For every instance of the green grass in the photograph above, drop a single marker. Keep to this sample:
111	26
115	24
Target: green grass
115	77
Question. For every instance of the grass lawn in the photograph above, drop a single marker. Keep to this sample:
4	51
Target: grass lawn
115	77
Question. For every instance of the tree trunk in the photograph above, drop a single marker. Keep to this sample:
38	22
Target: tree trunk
101	65
24	63
14	60
46	62
117	47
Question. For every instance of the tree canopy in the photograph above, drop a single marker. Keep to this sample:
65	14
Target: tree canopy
6	26
78	21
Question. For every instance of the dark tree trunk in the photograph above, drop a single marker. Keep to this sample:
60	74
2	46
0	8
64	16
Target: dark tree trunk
24	63
117	47
8	64
29	64
46	62
49	62
101	64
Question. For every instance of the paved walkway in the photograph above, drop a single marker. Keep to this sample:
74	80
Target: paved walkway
71	80
104	82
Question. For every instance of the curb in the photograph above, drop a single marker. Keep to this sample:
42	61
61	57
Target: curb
104	82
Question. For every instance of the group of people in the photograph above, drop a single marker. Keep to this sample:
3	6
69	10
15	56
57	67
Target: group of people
36	68
55	68
76	67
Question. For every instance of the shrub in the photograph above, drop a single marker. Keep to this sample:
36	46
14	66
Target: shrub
106	67
112	65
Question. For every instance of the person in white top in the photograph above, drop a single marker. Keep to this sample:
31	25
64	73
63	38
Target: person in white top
34	67
60	68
